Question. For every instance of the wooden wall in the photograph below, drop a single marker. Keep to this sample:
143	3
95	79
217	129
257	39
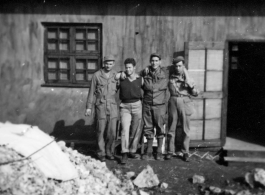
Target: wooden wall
130	29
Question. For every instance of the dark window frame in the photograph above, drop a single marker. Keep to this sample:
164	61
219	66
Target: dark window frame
67	77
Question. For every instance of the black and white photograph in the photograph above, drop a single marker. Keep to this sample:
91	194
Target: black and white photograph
131	97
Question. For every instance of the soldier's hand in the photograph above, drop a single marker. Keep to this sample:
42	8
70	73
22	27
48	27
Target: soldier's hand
146	71
191	85
123	76
118	76
88	112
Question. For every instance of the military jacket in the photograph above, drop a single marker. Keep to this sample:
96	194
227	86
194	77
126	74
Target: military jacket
178	87
155	87
102	94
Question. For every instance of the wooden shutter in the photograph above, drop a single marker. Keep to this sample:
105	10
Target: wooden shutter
205	63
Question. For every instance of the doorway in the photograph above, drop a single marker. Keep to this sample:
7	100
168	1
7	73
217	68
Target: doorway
246	92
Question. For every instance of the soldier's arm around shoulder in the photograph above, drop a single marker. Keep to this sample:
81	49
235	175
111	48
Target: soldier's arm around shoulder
144	72
166	69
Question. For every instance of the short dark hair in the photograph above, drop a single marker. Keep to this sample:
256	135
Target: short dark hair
130	61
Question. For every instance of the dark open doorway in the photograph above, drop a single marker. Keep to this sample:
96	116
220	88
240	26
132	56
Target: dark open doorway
246	92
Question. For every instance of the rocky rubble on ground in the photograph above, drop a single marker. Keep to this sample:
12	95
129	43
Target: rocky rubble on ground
255	177
198	179
147	178
22	177
212	190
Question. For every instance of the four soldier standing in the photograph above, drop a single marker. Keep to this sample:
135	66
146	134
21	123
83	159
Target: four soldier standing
155	84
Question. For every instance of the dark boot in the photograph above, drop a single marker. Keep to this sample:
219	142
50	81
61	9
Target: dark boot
102	158
168	156
110	157
186	157
149	153
159	155
150	145
159	145
169	153
148	156
133	155
124	158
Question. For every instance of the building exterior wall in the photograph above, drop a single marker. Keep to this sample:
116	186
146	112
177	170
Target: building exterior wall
130	29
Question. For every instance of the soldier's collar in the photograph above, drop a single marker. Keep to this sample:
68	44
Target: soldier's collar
111	73
156	70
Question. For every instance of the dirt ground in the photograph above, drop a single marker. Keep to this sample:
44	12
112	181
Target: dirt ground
178	174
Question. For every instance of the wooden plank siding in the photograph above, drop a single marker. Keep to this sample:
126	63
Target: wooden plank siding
130	29
138	30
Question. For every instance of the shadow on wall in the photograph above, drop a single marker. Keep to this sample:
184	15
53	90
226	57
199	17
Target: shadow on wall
78	131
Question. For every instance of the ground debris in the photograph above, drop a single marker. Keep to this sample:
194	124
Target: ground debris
130	174
23	177
32	143
163	185
198	179
255	177
143	192
206	155
212	190
215	190
229	192
20	177
146	178
244	192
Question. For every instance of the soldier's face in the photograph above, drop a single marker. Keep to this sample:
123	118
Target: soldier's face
155	62
179	67
129	69
108	65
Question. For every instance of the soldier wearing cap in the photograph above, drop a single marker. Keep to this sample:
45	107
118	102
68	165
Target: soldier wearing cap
154	105
180	106
102	95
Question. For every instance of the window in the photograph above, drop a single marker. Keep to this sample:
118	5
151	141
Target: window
72	53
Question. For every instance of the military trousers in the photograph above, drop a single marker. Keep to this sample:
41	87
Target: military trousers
106	133
179	112
154	117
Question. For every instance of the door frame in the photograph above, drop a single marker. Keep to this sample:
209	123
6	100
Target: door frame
225	80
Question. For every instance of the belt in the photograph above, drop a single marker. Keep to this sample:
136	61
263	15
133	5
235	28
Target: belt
179	95
130	101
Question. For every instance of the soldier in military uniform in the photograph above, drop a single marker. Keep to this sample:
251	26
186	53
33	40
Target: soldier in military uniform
102	96
154	105
180	106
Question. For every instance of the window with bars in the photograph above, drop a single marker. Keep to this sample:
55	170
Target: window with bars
72	53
